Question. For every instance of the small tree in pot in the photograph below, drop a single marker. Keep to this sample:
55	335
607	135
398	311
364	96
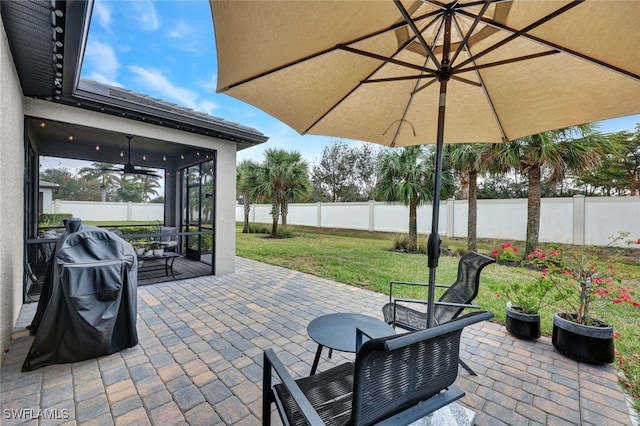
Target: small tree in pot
589	288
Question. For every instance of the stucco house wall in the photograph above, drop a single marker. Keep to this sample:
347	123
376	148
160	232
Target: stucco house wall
11	192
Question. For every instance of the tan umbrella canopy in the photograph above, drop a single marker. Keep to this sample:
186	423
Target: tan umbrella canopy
405	73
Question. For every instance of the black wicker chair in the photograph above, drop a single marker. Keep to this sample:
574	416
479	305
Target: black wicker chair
455	299
395	380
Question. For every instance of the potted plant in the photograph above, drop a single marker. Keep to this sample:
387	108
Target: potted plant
588	286
524	298
156	249
149	247
139	247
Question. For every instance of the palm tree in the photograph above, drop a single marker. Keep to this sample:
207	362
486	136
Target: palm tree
282	177
620	173
245	183
101	173
465	161
128	188
552	155
149	185
208	192
300	186
408	175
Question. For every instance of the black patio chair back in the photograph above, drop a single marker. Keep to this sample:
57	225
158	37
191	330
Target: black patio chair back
464	290
453	301
450	305
396	379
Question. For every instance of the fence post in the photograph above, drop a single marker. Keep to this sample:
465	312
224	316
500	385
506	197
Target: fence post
56	205
578	219
450	217
319	215
129	211
372	215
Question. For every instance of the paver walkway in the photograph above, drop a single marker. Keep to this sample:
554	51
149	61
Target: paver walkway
199	360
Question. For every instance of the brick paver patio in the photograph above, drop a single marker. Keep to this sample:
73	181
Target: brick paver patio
199	360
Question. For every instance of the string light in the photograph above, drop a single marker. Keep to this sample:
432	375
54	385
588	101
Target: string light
97	147
121	153
43	124
164	157
71	138
181	157
144	157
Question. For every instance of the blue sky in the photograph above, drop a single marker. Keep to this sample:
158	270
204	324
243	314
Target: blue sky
166	49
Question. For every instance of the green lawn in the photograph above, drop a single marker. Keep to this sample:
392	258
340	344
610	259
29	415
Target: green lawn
363	259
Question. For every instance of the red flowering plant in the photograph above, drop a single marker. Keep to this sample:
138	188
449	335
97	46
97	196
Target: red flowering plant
507	253
530	292
587	283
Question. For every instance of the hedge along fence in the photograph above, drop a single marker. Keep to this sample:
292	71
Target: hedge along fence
52	220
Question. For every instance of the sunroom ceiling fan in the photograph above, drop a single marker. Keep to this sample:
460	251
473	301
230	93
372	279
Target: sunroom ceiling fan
129	168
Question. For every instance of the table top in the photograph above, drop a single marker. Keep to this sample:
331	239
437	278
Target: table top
338	331
165	255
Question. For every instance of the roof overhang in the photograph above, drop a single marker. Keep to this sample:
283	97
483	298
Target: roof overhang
47	41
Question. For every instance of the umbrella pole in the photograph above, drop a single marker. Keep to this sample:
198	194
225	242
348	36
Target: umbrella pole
433	244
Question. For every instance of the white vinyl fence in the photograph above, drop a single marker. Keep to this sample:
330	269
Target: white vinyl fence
95	210
573	220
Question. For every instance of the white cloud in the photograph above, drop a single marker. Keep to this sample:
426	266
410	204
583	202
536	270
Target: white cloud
211	84
101	63
207	107
102	12
145	14
181	30
153	79
189	37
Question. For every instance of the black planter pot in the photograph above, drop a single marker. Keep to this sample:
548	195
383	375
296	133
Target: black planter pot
589	344
523	326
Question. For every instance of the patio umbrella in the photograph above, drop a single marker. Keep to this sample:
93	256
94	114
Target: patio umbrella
402	73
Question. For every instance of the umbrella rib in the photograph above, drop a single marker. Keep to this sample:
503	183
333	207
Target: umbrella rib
483	87
323	52
406	77
417	32
507	61
479	2
406	110
476	21
464	80
557	47
384	58
400	49
431	73
424	86
517	33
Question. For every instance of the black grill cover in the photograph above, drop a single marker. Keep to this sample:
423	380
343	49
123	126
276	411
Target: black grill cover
88	304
